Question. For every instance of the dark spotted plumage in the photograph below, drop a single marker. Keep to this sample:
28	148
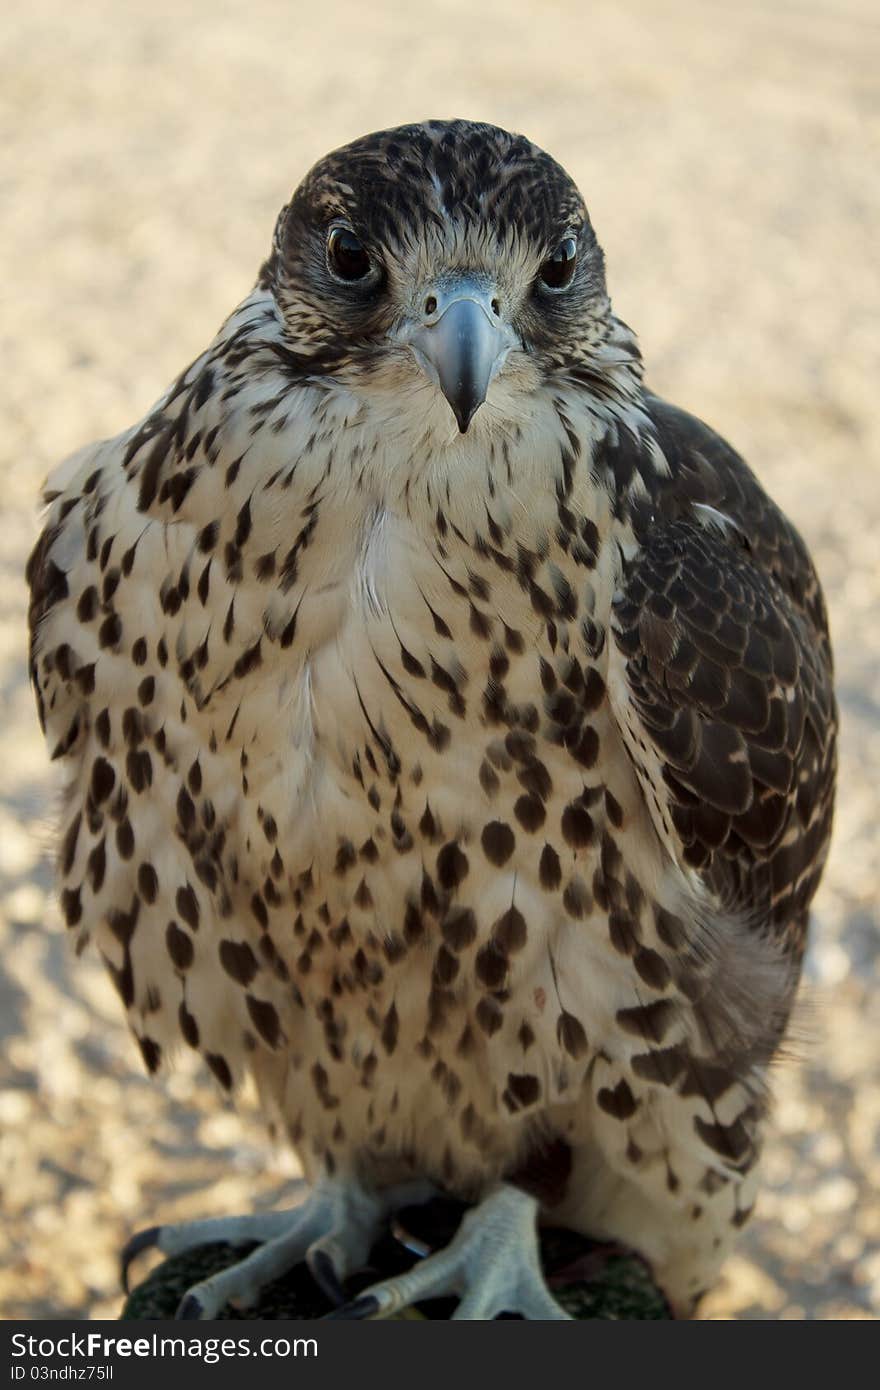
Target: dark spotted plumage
448	720
722	625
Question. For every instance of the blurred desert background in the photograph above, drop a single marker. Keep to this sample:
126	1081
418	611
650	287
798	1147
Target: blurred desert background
729	156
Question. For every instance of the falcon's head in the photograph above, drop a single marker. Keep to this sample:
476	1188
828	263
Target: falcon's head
450	257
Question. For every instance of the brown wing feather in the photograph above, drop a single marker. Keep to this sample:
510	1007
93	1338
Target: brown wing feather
721	627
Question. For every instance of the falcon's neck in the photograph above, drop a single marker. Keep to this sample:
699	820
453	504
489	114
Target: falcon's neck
298	518
282	446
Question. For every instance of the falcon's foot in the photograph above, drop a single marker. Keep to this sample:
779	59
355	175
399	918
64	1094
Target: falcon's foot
333	1230
492	1265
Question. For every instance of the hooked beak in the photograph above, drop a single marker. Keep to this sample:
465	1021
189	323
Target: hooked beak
461	345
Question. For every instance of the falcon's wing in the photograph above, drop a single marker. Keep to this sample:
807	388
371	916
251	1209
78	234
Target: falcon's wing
721	681
122	532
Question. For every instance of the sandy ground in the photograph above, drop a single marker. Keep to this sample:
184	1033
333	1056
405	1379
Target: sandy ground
729	155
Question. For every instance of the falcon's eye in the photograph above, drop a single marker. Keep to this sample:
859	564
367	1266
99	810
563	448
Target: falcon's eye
557	273
347	256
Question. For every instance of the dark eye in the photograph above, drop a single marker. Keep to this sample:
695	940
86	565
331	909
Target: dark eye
346	255
558	272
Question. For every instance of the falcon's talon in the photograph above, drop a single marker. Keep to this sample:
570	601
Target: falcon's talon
492	1264
333	1230
366	1306
323	1271
190	1309
147	1239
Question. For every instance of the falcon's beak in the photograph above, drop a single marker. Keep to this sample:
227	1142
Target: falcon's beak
461	344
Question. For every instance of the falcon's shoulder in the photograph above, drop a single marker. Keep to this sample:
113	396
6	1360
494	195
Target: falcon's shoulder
64	574
721	677
134	522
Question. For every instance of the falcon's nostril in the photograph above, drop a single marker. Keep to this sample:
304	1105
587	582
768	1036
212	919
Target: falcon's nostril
430	304
496	308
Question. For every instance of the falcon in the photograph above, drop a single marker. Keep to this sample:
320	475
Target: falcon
450	740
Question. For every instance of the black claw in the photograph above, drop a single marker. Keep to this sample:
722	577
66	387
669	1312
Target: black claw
367	1306
190	1309
142	1240
324	1274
